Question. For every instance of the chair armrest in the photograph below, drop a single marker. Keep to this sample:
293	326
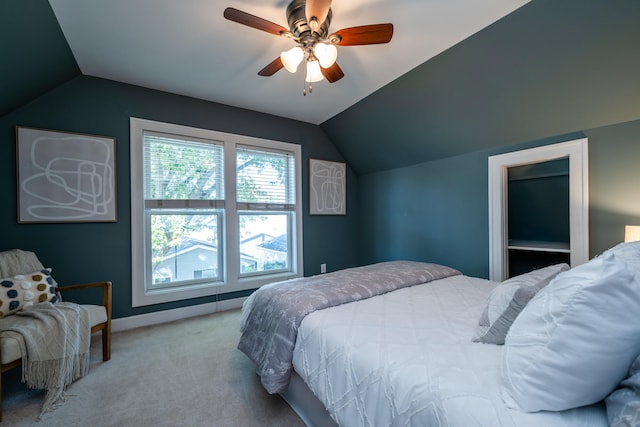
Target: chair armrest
106	292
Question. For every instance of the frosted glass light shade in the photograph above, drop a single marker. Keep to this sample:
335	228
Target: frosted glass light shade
292	58
326	54
313	72
632	233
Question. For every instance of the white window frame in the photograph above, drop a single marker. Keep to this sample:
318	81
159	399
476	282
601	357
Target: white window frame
232	281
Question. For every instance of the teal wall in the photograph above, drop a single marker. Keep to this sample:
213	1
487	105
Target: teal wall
438	211
614	183
102	251
435	212
538	207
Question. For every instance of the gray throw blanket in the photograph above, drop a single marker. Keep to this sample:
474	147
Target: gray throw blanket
54	342
272	314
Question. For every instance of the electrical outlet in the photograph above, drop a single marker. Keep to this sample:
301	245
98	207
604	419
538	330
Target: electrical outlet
323	268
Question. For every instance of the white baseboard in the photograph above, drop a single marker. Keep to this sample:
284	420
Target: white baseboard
148	319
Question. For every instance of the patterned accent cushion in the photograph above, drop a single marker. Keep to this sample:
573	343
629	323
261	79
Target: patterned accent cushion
623	405
576	339
508	299
23	290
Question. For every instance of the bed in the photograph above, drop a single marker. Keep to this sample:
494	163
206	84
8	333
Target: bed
418	354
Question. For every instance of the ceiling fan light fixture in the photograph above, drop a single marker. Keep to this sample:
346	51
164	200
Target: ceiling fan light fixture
314	74
326	54
309	22
292	58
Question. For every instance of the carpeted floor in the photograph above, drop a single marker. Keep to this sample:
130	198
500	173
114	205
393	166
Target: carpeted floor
185	373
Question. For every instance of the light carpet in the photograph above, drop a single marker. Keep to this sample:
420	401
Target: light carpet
184	373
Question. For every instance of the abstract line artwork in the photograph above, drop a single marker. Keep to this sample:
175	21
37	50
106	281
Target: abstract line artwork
65	177
327	187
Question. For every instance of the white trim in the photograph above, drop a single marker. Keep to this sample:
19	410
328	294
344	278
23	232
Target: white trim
165	316
229	239
577	152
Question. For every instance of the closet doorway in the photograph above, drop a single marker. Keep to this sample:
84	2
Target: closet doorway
538	208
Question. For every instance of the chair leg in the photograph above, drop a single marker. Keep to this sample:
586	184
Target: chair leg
106	342
4	368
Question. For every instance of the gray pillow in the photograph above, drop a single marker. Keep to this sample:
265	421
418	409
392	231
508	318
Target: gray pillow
508	299
623	404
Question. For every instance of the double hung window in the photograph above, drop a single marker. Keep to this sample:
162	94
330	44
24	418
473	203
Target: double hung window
211	212
265	204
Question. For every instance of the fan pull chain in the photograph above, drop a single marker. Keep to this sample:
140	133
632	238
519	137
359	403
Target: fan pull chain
304	88
304	91
304	85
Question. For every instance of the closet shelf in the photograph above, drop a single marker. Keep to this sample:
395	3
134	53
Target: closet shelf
539	246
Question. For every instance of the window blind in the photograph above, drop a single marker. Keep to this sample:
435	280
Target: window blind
179	171
265	179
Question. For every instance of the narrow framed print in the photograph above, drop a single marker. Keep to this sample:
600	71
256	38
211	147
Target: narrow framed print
65	177
327	187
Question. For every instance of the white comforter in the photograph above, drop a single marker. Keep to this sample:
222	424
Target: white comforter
406	359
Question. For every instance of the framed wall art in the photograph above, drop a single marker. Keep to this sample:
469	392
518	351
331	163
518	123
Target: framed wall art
327	187
65	177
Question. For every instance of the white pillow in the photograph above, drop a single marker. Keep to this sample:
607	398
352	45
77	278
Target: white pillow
508	299
628	252
575	340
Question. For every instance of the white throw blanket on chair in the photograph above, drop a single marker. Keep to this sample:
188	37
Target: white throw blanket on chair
54	341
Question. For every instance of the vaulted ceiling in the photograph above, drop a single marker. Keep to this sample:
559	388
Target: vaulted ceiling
187	47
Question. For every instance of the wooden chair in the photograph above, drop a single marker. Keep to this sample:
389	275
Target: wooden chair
99	315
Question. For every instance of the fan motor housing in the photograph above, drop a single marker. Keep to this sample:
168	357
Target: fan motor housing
298	21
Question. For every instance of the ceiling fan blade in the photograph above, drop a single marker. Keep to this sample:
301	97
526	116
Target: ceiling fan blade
365	34
272	68
245	18
318	9
333	73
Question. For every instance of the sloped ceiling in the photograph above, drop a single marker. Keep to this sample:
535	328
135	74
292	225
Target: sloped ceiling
550	68
187	47
35	55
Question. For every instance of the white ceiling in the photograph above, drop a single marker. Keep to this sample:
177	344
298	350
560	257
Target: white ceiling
187	47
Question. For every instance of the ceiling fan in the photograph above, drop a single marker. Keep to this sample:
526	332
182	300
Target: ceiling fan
309	28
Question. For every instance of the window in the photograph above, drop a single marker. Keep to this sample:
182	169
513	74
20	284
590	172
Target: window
265	197
211	212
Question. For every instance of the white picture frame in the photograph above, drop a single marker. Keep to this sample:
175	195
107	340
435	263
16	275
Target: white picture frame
65	177
327	187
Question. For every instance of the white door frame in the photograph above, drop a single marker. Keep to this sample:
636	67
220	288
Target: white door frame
577	152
